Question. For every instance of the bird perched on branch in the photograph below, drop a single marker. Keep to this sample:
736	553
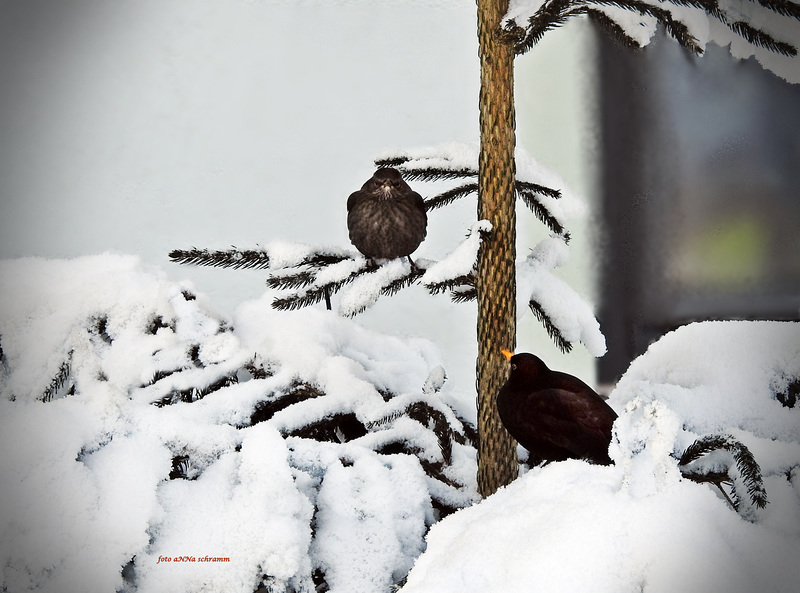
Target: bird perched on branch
555	416
386	218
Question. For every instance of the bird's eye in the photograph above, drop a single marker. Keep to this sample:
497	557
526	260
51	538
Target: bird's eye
513	367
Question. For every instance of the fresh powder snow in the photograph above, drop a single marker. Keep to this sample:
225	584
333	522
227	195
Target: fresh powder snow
151	443
638	525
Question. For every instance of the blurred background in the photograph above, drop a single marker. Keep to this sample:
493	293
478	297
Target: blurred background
141	126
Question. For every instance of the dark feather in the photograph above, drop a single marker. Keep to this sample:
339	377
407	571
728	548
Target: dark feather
555	416
386	218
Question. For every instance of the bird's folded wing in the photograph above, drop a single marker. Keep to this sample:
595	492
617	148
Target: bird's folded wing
566	419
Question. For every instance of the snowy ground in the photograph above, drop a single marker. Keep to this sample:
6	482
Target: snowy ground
181	451
637	525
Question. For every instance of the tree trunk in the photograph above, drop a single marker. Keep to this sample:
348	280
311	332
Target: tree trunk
496	280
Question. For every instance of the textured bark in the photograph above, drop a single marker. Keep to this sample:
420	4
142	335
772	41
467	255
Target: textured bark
496	282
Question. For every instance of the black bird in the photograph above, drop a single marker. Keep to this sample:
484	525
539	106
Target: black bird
555	416
386	218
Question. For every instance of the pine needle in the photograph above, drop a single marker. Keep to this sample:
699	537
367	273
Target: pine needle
59	380
437	173
451	284
782	7
611	27
394	161
464	294
403	282
291	281
746	466
555	334
313	295
762	39
542	213
231	258
450	196
527	186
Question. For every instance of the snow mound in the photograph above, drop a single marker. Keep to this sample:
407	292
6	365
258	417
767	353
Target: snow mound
638	525
151	445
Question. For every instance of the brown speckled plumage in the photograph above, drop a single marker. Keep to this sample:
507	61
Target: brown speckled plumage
386	218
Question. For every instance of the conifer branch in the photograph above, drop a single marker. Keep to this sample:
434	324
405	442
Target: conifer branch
678	30
611	27
231	258
527	186
436	173
450	196
451	283
395	161
556	12
789	395
762	39
399	284
193	394
464	294
782	7
550	16
746	466
291	281
313	295
552	330
542	213
59	380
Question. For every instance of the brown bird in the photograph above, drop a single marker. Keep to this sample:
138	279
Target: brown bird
386	218
555	416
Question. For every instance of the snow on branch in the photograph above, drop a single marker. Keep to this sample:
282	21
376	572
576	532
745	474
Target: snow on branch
565	315
386	279
537	187
456	272
723	459
301	440
761	23
60	380
232	258
307	275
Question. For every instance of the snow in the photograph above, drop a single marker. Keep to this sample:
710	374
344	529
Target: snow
638	525
565	308
639	27
364	291
145	473
463	157
642	27
462	260
521	10
535	283
85	485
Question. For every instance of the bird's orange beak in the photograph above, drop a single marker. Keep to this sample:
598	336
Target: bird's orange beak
507	353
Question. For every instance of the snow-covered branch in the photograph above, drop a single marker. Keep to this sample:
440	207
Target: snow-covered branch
567	318
307	275
721	458
765	26
300	440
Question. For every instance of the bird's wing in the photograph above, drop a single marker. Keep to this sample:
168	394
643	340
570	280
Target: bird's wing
566	419
354	197
418	201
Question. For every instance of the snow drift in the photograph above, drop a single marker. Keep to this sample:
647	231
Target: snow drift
638	525
151	445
